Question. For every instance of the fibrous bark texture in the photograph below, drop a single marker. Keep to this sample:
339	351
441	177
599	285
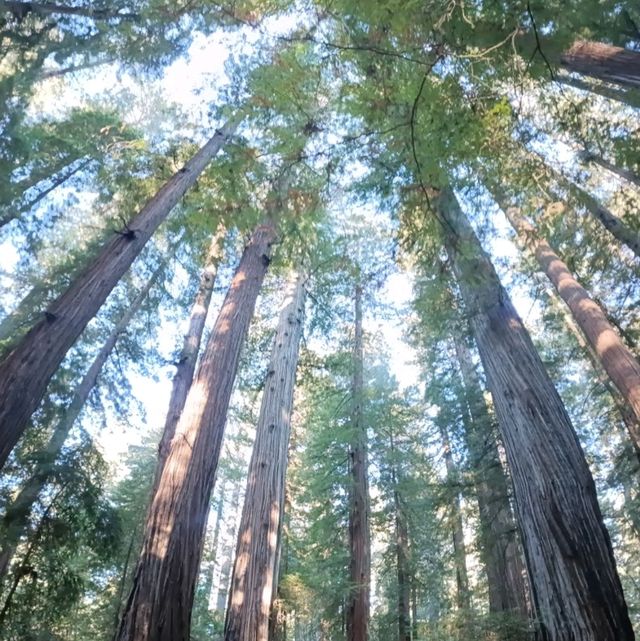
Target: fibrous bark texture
28	368
615	357
603	61
500	546
255	570
576	588
359	537
161	600
186	365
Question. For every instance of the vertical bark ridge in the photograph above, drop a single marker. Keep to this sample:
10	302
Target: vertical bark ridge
499	541
576	588
160	603
255	569
604	62
186	364
28	368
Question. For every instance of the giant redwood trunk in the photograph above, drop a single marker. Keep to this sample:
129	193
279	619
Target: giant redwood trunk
604	62
615	357
28	368
17	514
255	569
186	365
576	588
159	606
457	527
359	537
500	547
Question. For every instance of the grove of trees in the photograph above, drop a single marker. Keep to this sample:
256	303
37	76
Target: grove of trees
319	320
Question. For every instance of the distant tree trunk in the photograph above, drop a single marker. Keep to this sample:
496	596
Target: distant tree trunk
414	610
604	62
359	538
628	421
614	225
227	565
402	551
630	98
499	540
214	546
577	591
16	519
26	371
614	356
22	9
255	569
186	365
457	529
16	209
625	174
160	603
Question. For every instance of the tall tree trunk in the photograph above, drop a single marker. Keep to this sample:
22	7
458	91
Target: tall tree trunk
628	421
22	9
359	538
414	610
630	98
160	603
577	591
26	371
457	529
17	514
625	174
186	365
15	209
614	356
499	541
604	62
227	565
402	551
255	569
614	225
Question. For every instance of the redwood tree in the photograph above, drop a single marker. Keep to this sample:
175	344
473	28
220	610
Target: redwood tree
359	536
255	569
575	584
160	603
27	369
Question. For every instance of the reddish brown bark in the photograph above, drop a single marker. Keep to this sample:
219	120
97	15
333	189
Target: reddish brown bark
576	588
18	512
500	548
359	537
28	368
603	61
161	600
616	358
186	364
255	569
